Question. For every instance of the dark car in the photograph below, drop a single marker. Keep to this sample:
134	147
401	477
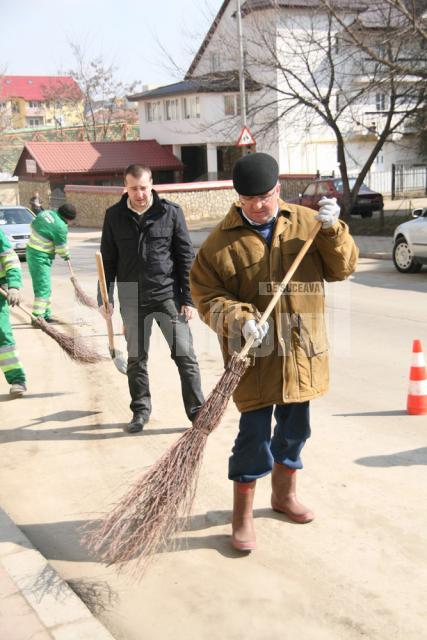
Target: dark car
367	201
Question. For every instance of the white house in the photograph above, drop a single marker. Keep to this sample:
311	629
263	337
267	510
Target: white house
294	52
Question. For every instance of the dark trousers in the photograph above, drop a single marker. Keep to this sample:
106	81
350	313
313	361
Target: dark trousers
138	323
254	450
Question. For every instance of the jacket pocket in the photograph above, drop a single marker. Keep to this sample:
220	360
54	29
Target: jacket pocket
311	352
159	243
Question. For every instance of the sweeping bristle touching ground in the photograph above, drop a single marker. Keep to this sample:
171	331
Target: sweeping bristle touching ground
73	346
160	502
83	297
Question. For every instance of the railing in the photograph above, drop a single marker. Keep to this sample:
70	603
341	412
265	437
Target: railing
399	182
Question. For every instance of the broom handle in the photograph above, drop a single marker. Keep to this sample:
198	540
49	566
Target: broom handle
104	296
20	305
294	266
70	267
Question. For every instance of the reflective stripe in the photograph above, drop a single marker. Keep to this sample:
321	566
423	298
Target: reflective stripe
62	249
11	367
9	347
9	361
40	243
40	306
8	260
418	388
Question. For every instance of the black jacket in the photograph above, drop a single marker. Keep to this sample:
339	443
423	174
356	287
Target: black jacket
153	250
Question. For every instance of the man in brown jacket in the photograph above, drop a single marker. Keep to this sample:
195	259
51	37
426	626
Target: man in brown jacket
232	281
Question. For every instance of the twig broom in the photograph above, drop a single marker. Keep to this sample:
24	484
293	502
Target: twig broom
81	296
161	500
75	348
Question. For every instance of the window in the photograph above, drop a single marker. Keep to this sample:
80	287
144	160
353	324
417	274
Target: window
231	105
153	111
311	190
15	107
380	101
191	107
35	122
171	109
215	61
34	104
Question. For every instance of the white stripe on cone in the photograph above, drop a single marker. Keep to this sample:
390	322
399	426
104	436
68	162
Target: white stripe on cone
418	360
418	387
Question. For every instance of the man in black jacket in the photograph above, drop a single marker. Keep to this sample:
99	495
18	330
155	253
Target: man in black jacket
146	247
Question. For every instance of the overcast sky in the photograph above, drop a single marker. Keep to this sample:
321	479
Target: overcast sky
35	35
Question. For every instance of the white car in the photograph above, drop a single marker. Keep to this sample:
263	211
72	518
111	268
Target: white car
410	243
15	222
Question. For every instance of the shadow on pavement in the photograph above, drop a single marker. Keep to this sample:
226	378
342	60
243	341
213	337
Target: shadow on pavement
394	412
400	459
7	396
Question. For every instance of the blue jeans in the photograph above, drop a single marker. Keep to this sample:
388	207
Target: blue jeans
254	450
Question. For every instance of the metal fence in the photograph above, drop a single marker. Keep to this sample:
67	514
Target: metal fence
399	182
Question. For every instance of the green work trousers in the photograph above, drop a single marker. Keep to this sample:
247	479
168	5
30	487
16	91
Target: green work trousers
9	358
40	267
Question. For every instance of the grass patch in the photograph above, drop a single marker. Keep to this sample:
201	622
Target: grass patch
375	226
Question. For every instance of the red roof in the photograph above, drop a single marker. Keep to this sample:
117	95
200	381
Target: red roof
100	157
38	87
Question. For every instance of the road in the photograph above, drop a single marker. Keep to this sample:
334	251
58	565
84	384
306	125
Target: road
358	571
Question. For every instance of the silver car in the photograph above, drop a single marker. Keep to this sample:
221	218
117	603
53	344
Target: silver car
410	243
15	222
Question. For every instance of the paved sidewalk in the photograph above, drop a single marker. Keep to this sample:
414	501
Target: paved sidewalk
35	602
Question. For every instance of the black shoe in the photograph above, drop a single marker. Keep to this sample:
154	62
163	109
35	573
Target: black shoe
136	424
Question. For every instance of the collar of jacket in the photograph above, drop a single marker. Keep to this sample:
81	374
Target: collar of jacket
233	219
155	204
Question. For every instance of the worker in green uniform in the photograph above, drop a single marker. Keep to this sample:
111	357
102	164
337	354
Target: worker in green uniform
11	282
49	231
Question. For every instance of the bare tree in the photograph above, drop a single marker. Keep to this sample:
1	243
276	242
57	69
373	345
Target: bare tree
405	23
317	83
103	95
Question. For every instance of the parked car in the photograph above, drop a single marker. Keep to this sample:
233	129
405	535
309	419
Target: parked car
410	243
367	201
15	222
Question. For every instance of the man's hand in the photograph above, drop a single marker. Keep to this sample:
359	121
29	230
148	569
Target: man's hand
106	313
251	328
13	297
329	212
188	312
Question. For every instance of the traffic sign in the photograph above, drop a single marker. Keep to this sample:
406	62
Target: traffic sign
246	138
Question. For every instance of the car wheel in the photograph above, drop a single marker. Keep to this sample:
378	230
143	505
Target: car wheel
403	258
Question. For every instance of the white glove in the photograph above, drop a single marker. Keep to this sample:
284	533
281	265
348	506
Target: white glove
329	212
251	328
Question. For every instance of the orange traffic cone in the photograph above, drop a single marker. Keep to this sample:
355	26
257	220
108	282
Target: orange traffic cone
417	395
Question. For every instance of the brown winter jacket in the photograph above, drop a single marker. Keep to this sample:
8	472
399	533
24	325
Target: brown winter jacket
232	280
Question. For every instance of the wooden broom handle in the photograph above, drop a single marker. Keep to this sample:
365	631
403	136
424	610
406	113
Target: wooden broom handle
104	296
294	266
19	306
70	267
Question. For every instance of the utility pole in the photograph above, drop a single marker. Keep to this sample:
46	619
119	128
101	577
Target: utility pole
241	65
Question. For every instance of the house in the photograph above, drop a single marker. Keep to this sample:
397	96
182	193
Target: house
39	101
47	167
294	52
199	117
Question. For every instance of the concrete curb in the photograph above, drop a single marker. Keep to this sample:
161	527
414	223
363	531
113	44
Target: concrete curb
35	595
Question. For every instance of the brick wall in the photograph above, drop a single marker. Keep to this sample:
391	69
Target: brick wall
199	200
9	194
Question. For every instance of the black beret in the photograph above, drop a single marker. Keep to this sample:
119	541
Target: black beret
254	174
67	211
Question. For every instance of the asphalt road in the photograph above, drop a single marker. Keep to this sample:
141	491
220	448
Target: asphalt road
358	571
